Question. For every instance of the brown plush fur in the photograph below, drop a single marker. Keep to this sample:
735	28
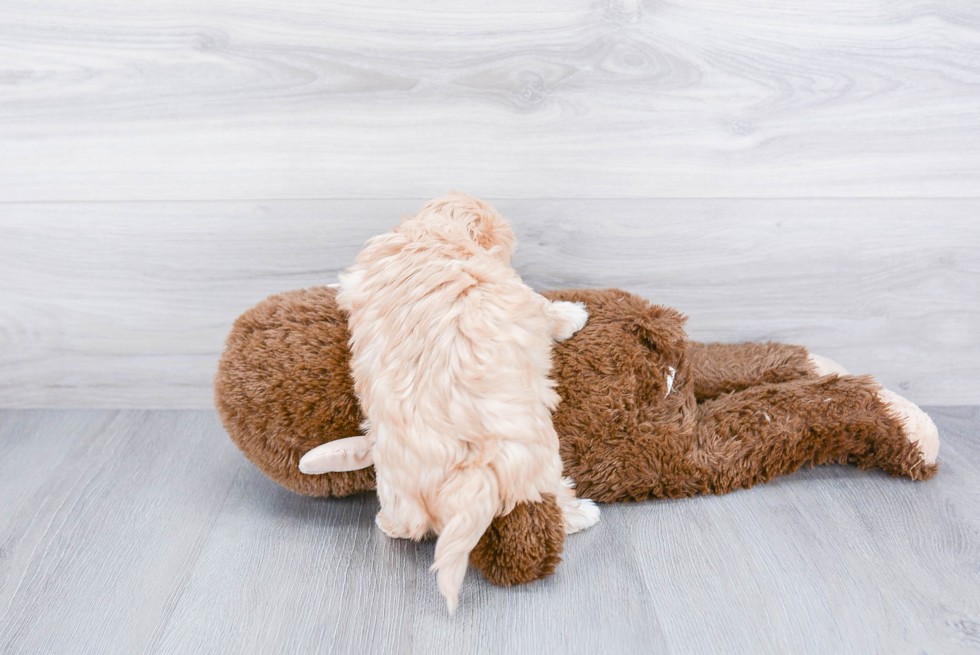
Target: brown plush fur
283	387
537	527
736	415
762	415
719	368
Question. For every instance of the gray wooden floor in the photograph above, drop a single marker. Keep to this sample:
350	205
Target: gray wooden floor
146	531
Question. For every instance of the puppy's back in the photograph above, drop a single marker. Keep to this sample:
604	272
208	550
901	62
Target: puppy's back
450	359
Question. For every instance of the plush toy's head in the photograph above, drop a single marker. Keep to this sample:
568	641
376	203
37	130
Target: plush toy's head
283	388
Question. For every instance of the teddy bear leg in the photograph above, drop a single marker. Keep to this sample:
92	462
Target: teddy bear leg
522	546
759	433
718	368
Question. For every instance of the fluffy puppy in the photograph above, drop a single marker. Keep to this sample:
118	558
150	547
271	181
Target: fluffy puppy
450	359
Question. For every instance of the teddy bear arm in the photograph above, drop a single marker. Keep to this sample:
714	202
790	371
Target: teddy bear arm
348	454
718	368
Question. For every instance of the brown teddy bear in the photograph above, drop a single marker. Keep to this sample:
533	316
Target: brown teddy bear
645	413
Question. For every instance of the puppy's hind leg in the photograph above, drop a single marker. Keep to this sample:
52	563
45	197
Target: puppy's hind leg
401	517
415	531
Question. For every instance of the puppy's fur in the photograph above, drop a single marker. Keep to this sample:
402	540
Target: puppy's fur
450	358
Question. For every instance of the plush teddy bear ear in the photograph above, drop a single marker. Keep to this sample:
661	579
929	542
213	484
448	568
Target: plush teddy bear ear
661	329
348	454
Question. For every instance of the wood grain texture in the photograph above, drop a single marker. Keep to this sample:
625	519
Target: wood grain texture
111	520
128	304
146	532
618	98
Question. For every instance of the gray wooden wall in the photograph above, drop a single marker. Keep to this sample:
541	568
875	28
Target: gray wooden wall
800	171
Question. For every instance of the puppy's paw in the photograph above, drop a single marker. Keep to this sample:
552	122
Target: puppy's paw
349	280
918	427
570	317
579	514
391	528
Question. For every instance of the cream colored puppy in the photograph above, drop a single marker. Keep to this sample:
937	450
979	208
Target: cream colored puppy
450	358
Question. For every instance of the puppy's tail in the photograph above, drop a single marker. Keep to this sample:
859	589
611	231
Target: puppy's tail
476	499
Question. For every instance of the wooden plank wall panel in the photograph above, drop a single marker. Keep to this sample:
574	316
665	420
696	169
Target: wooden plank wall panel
128	304
621	98
165	166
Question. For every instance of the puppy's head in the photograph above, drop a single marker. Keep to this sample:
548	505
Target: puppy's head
483	224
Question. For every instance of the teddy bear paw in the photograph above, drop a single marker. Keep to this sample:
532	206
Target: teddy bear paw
918	427
825	366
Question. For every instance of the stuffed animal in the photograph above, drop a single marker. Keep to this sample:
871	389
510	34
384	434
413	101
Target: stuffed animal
645	414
